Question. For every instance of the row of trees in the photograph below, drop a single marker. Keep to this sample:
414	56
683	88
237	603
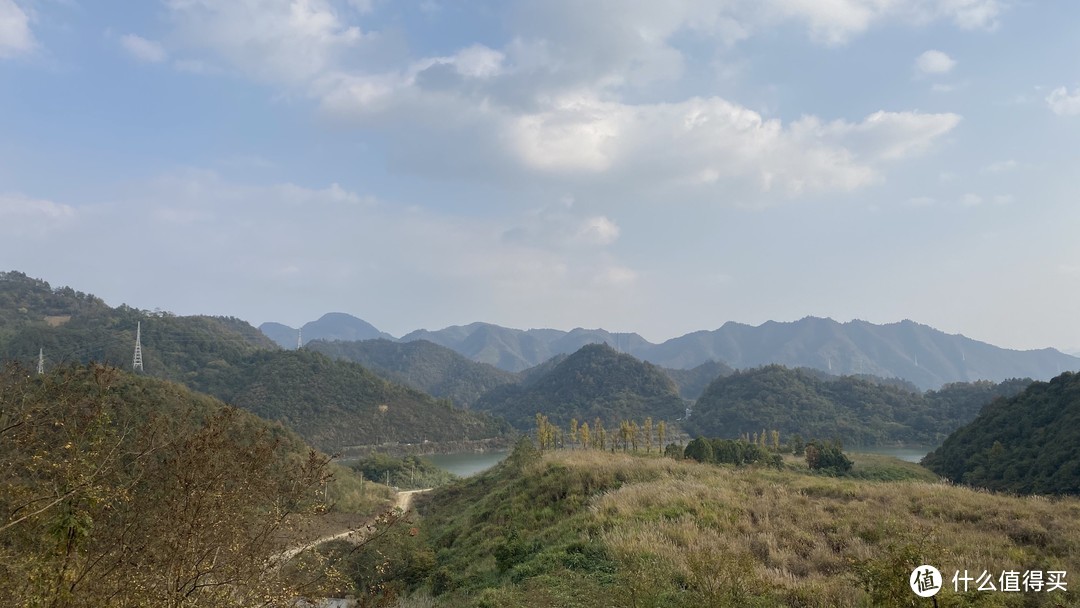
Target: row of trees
823	456
731	451
630	435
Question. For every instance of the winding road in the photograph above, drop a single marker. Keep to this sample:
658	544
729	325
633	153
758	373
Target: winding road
402	501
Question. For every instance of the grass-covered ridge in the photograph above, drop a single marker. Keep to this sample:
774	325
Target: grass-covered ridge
591	528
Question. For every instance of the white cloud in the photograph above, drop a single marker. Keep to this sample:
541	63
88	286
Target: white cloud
15	35
1001	166
836	21
281	41
194	66
934	62
598	230
142	49
554	103
921	201
971	200
1064	103
560	226
21	215
715	142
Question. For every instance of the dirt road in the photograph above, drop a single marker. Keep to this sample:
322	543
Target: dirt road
402	501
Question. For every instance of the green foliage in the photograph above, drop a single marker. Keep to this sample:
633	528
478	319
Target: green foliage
827	458
673	450
334	404
422	365
699	449
1027	444
595	382
798	446
861	412
730	451
410	472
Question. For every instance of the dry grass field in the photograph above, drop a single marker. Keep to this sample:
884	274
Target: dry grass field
591	528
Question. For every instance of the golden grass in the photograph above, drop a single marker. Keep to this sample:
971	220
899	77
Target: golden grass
729	534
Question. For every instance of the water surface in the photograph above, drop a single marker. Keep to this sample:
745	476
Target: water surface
911	454
465	464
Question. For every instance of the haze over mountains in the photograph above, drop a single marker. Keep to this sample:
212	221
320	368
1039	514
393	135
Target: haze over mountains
927	357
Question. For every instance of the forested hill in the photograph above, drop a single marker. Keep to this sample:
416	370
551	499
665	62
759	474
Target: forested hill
336	404
594	382
857	411
68	326
329	404
1029	444
428	367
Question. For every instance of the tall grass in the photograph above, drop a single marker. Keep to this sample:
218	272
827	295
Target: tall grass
618	530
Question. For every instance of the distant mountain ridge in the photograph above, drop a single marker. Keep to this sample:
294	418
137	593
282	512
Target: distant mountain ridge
331	326
436	370
920	354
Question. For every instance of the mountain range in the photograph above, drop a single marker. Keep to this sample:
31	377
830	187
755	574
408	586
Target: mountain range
920	354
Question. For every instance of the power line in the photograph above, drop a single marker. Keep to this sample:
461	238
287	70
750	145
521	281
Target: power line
137	362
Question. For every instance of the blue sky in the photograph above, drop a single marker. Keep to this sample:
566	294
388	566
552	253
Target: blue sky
657	167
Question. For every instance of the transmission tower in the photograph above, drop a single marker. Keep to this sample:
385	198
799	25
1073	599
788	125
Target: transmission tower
41	361
136	363
300	338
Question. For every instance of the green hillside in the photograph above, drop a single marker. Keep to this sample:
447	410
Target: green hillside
335	404
68	326
594	382
1029	444
857	411
330	405
123	490
592	528
434	369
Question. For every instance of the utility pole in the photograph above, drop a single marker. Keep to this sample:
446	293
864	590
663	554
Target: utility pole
136	363
41	361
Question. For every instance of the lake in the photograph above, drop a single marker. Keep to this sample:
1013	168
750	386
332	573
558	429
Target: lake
908	454
465	464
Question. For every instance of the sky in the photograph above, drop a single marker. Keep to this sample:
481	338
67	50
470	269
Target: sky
635	165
